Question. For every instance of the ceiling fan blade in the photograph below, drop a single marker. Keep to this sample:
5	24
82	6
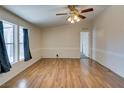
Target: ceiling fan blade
62	14
87	10
81	16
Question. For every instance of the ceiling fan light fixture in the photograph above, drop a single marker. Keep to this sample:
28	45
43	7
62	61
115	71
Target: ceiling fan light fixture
78	20
72	21
69	19
75	17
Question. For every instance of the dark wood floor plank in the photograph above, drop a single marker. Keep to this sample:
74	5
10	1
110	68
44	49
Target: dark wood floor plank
65	73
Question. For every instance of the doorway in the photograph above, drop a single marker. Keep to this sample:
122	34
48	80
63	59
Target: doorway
84	45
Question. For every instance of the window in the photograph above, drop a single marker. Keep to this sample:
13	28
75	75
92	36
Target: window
21	48
14	41
9	31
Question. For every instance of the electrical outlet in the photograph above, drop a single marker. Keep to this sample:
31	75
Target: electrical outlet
57	55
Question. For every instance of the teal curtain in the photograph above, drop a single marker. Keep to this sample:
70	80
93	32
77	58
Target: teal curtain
4	60
27	53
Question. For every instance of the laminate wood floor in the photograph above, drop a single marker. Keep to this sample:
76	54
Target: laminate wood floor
65	73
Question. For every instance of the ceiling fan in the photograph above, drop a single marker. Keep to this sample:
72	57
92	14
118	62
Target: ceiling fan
75	15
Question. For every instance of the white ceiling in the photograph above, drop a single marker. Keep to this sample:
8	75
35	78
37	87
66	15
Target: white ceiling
45	15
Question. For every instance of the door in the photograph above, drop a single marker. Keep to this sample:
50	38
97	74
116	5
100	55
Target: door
84	44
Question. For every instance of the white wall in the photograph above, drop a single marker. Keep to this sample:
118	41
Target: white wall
108	39
64	40
35	45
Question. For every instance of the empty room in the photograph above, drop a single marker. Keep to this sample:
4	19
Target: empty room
61	46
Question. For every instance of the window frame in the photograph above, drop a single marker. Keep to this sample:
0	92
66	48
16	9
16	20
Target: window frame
22	59
13	43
